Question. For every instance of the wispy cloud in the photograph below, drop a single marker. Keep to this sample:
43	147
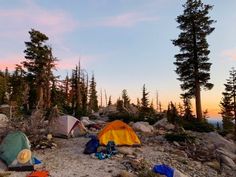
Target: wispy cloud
231	53
123	20
126	20
15	22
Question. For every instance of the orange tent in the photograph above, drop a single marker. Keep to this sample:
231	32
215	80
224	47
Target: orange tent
120	133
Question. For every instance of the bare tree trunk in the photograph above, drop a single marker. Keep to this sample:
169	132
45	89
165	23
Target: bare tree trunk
196	75
198	102
101	98
40	96
105	97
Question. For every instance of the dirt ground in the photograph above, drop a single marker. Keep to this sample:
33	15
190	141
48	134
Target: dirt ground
68	160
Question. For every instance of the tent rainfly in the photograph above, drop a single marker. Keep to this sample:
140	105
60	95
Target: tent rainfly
120	133
68	126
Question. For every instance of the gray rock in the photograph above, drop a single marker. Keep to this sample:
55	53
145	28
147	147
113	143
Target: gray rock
219	141
165	124
143	127
228	161
226	153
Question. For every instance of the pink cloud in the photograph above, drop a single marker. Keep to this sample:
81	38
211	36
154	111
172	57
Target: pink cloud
231	53
16	22
127	20
10	61
71	62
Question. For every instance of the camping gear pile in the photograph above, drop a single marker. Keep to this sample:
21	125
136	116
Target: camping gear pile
15	149
114	134
15	152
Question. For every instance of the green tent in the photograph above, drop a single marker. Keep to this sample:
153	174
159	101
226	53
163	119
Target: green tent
11	145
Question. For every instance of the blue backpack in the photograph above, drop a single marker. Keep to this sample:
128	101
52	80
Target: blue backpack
91	146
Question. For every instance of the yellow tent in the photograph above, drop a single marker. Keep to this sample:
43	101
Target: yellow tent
120	133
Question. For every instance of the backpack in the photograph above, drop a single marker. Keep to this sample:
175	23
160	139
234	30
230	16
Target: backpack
91	146
111	148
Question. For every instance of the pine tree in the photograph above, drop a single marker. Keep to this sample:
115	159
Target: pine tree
120	105
84	93
109	101
188	113
144	99
17	84
181	110
144	108
39	64
192	63
228	103
76	89
138	103
125	97
2	87
172	113
93	99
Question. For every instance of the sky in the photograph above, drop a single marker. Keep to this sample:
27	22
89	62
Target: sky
125	43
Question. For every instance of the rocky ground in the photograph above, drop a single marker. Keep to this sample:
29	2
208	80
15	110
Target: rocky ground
68	160
210	155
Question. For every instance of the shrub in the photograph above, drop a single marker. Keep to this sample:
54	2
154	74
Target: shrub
179	137
196	125
125	117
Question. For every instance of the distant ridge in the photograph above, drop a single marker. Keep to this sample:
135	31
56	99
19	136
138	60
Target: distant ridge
214	121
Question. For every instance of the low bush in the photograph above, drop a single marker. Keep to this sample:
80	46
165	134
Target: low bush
196	125
125	117
179	137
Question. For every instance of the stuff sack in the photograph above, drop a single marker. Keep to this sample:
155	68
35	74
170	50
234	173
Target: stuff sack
91	146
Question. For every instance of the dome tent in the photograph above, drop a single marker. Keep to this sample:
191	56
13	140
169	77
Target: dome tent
67	126
120	133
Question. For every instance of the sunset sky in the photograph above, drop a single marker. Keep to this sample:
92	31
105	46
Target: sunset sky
126	43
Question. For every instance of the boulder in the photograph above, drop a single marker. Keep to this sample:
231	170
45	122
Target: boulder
108	110
228	161
219	142
86	121
143	127
3	120
226	153
164	124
